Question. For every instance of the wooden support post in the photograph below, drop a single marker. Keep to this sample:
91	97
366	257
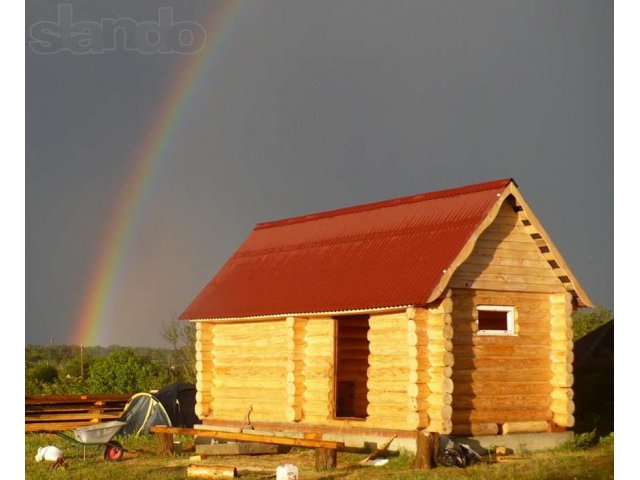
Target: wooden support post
326	459
427	450
164	442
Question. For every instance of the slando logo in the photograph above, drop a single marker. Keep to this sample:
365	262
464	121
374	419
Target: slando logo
148	37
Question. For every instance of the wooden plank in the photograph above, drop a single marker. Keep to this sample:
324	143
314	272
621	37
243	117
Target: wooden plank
492	252
466	416
514	362
529	303
61	408
469	267
523	387
508	262
79	399
529	278
45	417
496	350
236	448
512	287
54	427
248	437
520	236
524	427
211	471
474	429
533	375
534	338
507	245
482	402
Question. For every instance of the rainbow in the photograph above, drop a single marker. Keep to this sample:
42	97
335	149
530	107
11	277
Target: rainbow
90	322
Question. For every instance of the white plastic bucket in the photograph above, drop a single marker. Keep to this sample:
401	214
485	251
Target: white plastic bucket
287	472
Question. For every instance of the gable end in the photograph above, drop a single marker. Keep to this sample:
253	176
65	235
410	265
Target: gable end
527	224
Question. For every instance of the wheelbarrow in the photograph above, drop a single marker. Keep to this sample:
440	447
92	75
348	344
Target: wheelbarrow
98	435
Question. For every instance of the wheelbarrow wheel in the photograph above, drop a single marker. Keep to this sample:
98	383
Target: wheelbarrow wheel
113	451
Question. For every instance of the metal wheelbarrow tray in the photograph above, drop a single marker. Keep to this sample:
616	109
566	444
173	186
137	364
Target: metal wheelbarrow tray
99	434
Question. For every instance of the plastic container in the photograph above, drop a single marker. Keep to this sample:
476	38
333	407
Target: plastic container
287	472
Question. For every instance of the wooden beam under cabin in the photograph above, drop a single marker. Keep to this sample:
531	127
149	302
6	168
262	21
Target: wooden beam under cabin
248	437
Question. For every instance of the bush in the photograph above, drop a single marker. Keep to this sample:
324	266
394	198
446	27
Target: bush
606	441
124	372
72	368
43	374
580	441
586	321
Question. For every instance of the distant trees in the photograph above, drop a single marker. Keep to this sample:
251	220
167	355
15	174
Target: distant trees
182	338
56	370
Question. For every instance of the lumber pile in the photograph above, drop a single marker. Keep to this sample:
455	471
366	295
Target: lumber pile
65	412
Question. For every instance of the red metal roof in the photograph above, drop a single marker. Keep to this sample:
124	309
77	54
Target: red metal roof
378	255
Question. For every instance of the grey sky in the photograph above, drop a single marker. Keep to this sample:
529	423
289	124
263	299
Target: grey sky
311	106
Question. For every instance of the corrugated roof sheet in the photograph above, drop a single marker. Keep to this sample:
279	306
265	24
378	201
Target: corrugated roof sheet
377	255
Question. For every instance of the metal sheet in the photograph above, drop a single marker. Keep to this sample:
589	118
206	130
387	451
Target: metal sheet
378	255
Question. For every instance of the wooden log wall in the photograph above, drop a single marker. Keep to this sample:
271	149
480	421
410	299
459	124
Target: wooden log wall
439	363
501	379
508	379
419	353
392	376
318	370
562	404
204	368
251	363
296	327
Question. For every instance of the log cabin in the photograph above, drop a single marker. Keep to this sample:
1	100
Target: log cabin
447	311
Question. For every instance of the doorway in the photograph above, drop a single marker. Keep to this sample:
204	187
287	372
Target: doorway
352	362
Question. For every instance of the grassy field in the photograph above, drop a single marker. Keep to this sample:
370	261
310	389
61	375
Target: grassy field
140	462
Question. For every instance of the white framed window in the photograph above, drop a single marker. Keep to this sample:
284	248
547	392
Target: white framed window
496	320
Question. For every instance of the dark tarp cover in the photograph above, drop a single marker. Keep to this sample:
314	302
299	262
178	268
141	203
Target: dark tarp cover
179	400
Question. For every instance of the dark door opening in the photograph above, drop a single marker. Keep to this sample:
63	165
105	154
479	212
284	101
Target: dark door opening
352	362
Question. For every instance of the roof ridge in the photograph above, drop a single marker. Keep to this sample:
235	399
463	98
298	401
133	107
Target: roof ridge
419	197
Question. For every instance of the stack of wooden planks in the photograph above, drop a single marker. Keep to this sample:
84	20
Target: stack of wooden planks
65	412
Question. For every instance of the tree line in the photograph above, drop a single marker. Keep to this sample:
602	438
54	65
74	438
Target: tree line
64	370
74	370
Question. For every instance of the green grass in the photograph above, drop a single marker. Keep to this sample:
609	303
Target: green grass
584	458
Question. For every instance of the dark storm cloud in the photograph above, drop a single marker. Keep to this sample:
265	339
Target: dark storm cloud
311	106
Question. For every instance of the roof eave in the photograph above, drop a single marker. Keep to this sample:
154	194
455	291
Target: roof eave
275	316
